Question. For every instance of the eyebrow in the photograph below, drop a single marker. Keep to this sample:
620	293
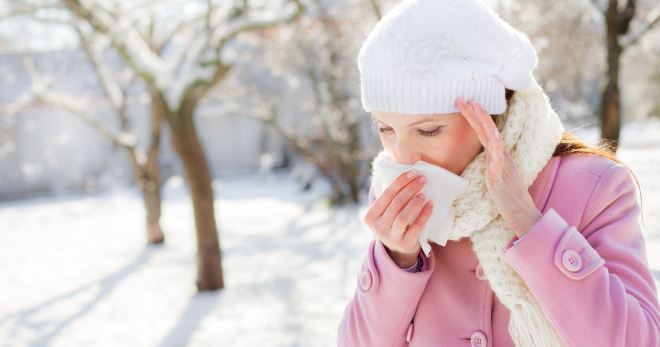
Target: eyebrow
426	120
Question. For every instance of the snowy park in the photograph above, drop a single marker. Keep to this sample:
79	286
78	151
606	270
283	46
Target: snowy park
76	272
196	173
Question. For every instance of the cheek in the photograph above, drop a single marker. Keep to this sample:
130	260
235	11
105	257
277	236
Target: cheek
454	150
463	140
457	150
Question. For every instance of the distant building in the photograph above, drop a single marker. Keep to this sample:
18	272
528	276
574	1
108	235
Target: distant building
44	149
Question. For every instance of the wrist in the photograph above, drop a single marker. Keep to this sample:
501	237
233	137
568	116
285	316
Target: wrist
527	221
403	260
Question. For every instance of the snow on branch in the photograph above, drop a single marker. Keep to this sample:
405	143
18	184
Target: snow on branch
268	20
128	42
112	89
80	109
39	93
197	87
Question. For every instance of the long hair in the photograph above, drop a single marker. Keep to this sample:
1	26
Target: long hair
570	144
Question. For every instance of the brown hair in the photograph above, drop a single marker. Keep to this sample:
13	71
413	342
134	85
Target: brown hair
570	144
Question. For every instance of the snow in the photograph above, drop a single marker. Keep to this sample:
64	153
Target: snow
76	272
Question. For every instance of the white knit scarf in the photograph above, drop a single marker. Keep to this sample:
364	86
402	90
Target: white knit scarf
530	131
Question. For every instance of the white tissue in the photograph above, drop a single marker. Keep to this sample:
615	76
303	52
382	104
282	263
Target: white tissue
442	187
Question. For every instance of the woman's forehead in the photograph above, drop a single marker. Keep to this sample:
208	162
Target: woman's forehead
412	119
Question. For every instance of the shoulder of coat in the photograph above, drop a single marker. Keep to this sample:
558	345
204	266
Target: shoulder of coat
577	164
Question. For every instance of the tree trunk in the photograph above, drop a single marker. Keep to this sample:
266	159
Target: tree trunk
147	177
354	165
611	101
152	205
151	185
189	149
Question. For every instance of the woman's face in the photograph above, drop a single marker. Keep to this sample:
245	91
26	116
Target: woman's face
446	140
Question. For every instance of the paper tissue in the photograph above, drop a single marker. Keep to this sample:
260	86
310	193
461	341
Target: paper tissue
442	187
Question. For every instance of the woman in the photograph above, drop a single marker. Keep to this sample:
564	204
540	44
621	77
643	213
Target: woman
546	247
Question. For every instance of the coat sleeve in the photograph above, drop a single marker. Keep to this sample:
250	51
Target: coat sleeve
594	285
384	303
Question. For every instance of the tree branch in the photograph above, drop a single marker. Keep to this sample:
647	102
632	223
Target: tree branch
201	87
26	9
24	101
626	16
597	6
112	90
256	25
39	94
129	44
376	8
72	105
166	38
652	20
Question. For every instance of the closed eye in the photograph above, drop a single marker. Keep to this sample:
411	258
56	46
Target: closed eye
433	132
429	133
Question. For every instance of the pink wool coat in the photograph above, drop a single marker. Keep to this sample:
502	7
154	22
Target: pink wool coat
584	261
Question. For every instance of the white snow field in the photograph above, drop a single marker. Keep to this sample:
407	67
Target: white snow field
75	271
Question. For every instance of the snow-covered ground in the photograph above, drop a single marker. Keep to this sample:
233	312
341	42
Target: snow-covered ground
75	271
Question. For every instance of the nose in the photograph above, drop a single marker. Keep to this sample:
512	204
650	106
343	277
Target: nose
406	154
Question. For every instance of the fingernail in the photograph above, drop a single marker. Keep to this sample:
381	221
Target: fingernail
411	173
422	179
420	196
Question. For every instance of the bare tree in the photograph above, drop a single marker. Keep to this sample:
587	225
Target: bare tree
328	127
180	50
618	39
178	77
144	163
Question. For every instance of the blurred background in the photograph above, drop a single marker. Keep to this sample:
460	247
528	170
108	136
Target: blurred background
194	173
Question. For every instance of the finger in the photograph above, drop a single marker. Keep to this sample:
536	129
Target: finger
491	131
467	113
487	121
509	159
493	147
383	201
416	228
408	214
484	124
399	202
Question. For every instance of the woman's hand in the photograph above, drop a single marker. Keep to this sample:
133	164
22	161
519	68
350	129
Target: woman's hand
398	216
505	186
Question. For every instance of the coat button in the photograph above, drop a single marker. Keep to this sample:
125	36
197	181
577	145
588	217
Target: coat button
571	260
409	333
478	339
365	280
480	273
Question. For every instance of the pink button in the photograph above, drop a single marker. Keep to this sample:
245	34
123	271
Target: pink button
478	339
480	273
571	260
365	280
409	333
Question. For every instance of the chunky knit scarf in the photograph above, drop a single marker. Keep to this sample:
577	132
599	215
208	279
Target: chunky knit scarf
530	130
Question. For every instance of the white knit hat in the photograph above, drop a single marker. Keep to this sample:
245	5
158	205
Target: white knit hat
425	53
